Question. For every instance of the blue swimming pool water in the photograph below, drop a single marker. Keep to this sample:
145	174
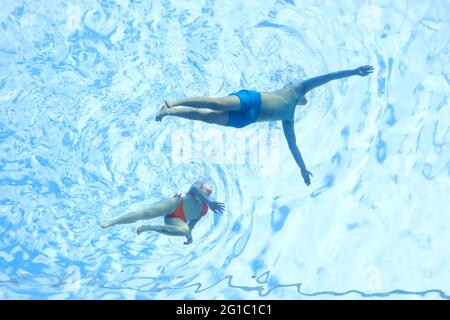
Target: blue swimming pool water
81	82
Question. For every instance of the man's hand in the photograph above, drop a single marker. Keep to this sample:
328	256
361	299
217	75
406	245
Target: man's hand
364	70
217	207
306	174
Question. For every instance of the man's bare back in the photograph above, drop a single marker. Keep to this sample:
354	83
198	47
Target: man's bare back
279	105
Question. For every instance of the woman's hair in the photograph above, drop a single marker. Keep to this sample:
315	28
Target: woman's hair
208	188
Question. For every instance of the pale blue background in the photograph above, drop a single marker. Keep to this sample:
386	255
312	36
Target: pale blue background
80	84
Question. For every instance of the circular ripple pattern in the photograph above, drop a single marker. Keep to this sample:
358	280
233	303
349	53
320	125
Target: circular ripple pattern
80	84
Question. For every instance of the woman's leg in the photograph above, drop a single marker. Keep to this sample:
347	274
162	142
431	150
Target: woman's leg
230	103
159	209
173	227
209	116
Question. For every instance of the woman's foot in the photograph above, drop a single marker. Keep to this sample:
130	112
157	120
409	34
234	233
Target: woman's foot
143	228
170	103
164	111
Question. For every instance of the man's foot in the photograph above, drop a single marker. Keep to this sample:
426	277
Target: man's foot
164	111
105	224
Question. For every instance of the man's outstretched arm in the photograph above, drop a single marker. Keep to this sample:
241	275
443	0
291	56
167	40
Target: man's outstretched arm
289	133
315	82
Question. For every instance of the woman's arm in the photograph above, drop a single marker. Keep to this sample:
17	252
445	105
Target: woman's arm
191	225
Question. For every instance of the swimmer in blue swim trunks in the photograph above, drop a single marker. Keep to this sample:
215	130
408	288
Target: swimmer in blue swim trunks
246	107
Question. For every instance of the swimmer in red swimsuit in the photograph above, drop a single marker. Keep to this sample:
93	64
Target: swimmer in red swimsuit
180	213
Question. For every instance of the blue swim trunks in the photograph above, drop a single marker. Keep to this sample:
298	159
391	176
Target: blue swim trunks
249	111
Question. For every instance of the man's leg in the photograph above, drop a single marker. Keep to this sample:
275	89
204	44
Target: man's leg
209	116
230	103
